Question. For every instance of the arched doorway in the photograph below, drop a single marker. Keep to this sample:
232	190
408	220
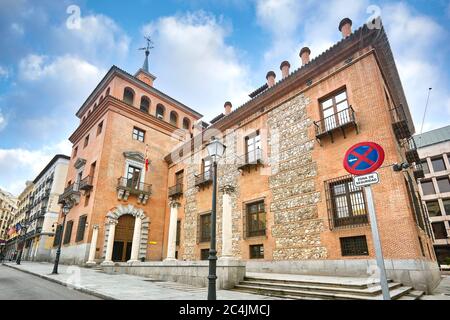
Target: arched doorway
123	238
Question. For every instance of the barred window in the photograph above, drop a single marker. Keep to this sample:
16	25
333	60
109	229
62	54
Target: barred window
256	219
354	246
68	232
81	228
347	205
178	232
138	134
257	251
205	227
204	254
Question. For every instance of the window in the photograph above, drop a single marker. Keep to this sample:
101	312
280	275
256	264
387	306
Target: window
257	251
68	232
204	254
446	203
99	128
421	247
433	208
107	92
256	219
354	246
128	95
427	187
57	238
145	104
186	124
86	141
81	228
138	134
439	230
335	110
160	111
205	227
438	164
179	176
178	232
348	206
253	148
443	185
173	118
75	151
425	167
133	177
206	167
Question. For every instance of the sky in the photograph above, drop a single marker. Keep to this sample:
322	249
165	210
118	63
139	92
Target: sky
53	54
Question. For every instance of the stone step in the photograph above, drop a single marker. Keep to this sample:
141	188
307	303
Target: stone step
396	293
366	291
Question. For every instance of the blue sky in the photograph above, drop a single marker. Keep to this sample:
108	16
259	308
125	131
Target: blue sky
206	52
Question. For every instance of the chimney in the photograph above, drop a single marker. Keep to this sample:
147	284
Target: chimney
345	26
304	55
227	107
284	67
270	78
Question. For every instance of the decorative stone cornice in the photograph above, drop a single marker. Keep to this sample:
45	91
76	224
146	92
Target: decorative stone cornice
134	155
79	163
227	189
174	204
95	227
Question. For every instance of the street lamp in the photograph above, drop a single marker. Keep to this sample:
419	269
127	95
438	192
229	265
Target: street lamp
216	150
65	211
23	233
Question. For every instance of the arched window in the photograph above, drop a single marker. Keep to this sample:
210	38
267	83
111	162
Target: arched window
107	92
173	118
145	104
128	95
95	105
186	124
160	111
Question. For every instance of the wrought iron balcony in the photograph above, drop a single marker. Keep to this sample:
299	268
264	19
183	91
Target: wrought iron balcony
250	160
71	193
86	183
125	187
411	151
418	171
176	190
203	179
400	123
336	122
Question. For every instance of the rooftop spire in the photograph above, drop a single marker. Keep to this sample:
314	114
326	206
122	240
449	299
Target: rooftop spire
147	52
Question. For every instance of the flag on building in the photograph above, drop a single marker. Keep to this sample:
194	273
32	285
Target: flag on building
11	231
146	157
18	227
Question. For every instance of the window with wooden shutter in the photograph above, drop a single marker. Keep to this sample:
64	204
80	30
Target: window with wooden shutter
68	232
81	228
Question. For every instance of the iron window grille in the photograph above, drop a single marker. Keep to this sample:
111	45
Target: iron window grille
257	251
178	232
346	203
204	227
255	219
204	254
68	232
354	246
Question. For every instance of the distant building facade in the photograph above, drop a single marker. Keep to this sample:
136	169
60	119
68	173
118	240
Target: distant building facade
434	152
8	210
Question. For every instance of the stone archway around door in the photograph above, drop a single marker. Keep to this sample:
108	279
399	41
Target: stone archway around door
141	221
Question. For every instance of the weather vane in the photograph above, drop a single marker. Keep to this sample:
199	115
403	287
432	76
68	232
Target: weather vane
148	47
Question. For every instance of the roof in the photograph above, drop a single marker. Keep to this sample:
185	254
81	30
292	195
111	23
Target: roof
432	137
217	118
55	158
116	70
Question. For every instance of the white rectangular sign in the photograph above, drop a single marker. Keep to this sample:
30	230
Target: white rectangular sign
365	180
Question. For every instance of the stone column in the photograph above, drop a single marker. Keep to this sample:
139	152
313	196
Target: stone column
227	234
172	239
93	248
110	242
136	239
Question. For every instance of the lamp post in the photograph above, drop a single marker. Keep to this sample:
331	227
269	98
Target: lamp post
65	211
23	233
215	150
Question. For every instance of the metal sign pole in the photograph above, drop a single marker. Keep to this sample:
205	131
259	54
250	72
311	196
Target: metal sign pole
377	244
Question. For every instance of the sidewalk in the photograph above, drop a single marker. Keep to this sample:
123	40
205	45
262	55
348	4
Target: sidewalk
123	286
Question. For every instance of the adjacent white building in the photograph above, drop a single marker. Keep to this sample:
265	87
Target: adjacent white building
434	152
44	209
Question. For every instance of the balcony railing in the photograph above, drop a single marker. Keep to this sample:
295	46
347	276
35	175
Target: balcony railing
400	123
353	221
418	171
134	187
411	151
176	190
336	122
203	179
86	183
250	159
70	192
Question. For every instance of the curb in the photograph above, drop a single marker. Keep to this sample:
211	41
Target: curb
62	283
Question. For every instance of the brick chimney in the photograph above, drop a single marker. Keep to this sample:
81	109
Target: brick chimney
227	107
345	26
284	67
270	78
304	55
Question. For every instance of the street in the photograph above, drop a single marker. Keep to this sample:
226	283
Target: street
18	285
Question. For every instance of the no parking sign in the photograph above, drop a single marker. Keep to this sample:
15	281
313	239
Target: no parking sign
363	158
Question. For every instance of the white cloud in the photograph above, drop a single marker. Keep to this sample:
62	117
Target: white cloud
19	165
4	73
195	64
2	120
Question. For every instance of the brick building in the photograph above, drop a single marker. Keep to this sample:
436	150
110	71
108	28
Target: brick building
434	152
285	202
